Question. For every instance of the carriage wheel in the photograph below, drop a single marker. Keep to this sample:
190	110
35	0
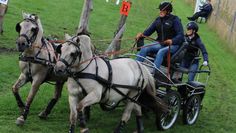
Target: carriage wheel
165	121
191	110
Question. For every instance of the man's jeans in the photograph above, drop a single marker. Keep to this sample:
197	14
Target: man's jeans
159	50
192	66
199	14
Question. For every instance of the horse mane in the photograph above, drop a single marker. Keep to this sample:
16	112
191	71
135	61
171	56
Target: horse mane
88	35
86	45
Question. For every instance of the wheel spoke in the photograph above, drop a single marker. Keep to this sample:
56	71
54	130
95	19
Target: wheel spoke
168	119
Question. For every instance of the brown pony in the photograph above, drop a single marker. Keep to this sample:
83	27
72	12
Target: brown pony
35	61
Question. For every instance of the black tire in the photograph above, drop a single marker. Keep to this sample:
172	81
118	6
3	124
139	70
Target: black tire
191	110
165	121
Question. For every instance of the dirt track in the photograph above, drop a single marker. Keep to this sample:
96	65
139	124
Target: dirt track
3	50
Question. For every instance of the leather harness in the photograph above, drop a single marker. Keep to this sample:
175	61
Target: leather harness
38	60
108	82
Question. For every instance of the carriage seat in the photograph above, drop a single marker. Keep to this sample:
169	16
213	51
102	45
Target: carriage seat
179	54
196	84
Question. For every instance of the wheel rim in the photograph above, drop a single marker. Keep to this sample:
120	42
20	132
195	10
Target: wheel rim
193	109
168	119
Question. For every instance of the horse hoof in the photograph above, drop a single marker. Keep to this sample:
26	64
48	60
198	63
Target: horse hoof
42	115
20	121
85	130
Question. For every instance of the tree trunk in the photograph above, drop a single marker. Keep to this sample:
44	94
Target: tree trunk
84	18
116	42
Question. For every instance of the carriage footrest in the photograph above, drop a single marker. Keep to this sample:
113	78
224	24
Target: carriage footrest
196	84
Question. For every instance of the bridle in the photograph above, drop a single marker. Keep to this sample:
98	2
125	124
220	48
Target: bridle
78	53
29	40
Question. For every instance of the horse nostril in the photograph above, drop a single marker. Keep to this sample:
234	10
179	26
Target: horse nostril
59	71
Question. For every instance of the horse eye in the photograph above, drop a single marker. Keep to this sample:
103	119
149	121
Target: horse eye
72	54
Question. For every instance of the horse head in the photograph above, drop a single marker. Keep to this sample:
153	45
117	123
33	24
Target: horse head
74	51
30	31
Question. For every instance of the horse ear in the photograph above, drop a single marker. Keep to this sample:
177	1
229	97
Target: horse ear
36	17
58	48
25	15
18	27
67	36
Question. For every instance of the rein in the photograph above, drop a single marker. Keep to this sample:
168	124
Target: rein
105	54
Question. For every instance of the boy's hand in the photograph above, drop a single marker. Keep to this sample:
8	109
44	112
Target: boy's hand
205	63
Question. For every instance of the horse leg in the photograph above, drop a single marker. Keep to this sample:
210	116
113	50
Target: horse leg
125	117
91	98
51	104
139	122
1	25
83	116
73	100
86	111
35	86
82	122
22	80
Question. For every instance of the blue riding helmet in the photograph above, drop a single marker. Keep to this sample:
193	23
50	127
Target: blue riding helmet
192	25
166	6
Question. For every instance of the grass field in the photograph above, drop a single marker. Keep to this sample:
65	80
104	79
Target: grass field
57	16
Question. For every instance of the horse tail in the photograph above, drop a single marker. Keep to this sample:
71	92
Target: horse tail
157	103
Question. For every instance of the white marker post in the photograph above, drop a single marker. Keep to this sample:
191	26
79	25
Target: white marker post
5	2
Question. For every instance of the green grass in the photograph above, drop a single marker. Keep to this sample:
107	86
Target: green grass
218	114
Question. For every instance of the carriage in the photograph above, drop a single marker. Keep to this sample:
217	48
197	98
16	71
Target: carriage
179	93
104	86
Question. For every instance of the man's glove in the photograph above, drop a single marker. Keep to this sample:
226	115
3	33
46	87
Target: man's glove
205	63
138	36
168	42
